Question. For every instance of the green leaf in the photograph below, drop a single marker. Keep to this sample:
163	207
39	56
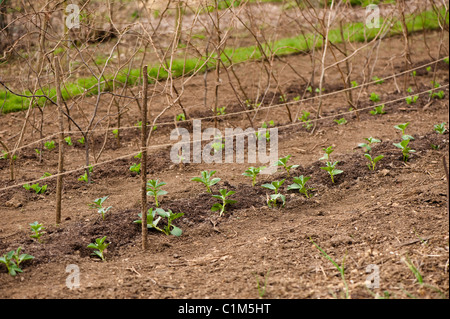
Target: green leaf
161	193
216	207
294	187
214	181
378	158
176	231
92	246
269	186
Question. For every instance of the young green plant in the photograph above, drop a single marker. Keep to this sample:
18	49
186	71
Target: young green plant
305	119
152	221
412	99
402	128
332	170
374	97
440	128
283	162
341	121
406	150
378	110
300	185
38	231
273	198
37	189
373	161
207	180
13	259
327	155
154	190
368	144
223	197
98	204
50	145
136	168
253	172
101	246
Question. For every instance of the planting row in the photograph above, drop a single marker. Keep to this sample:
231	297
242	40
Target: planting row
161	220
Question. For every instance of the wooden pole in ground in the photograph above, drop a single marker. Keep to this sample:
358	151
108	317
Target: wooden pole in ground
448	184
144	160
59	101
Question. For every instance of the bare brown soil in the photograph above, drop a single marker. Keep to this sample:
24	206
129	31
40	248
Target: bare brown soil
369	218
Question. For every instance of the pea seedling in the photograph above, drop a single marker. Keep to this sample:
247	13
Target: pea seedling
136	168
377	80
305	119
37	229
12	261
50	145
98	204
101	246
151	221
221	111
370	141
68	140
265	126
37	189
272	199
332	170
341	121
283	162
373	161
374	97
84	177
169	229
406	150
402	127
154	189
253	172
46	174
116	133
81	140
300	184
218	145
412	99
440	128
207	180
378	110
438	95
327	154
181	117
223	196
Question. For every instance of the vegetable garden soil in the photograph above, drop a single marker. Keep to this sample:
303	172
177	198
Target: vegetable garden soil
396	213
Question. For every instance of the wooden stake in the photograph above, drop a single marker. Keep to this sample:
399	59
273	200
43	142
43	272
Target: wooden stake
448	183
144	160
59	180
